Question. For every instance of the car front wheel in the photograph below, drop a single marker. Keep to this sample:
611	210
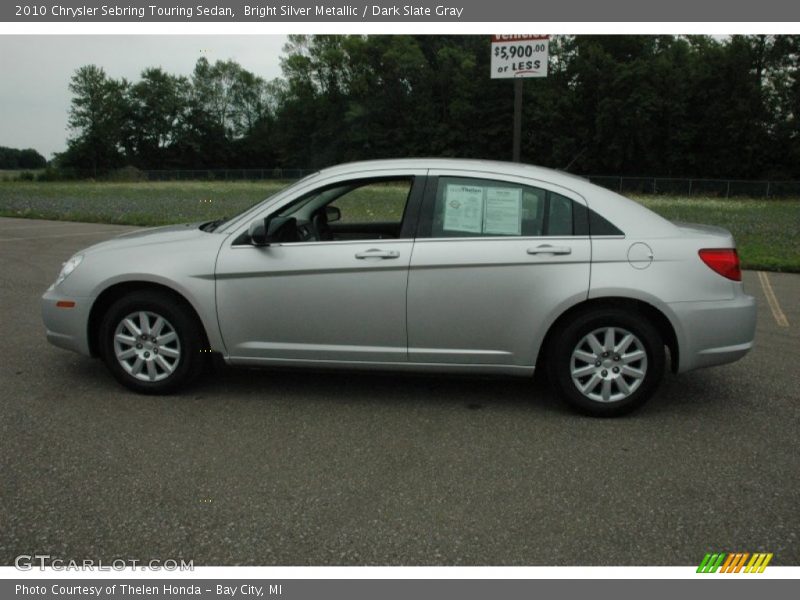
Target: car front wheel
151	344
606	362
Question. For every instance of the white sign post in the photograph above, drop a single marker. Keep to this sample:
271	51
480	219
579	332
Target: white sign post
516	57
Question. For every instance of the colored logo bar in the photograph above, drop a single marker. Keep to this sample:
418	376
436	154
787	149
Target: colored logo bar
735	562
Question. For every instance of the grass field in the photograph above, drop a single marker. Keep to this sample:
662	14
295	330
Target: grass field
149	203
766	230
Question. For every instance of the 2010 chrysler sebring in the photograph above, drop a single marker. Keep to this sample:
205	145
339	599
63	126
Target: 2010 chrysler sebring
426	265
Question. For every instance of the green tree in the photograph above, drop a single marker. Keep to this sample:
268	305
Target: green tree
676	106
12	158
96	118
233	98
156	109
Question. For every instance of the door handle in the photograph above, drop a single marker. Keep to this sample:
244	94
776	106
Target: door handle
548	249
377	253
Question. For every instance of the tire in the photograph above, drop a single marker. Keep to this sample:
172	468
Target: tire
601	378
170	356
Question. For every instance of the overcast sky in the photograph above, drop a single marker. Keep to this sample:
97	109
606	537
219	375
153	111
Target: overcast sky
35	72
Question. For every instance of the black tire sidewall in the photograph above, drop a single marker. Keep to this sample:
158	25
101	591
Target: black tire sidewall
187	329
572	332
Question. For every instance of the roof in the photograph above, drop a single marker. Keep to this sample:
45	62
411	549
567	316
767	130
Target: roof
623	212
488	166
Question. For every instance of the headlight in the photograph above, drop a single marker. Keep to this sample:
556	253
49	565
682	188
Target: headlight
68	267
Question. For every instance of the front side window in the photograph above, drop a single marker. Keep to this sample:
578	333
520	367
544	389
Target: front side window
378	202
469	207
362	209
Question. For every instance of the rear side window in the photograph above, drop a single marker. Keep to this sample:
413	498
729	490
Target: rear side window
588	222
468	207
559	215
601	226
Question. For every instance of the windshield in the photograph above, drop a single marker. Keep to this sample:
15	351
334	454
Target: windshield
316	198
216	224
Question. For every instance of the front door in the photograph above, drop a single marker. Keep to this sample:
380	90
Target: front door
338	293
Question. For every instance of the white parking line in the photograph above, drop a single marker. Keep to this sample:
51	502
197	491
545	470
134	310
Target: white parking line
63	235
772	300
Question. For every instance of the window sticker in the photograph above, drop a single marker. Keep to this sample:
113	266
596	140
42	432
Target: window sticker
503	211
463	208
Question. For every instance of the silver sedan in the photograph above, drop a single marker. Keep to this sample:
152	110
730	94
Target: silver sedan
451	266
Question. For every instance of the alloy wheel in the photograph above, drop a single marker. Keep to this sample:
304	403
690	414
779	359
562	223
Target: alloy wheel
608	364
147	346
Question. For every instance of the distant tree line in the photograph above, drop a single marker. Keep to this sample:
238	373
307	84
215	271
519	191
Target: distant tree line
13	158
681	106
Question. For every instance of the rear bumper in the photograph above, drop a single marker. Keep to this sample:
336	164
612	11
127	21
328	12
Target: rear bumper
67	327
714	333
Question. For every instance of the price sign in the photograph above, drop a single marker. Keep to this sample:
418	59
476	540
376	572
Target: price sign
519	56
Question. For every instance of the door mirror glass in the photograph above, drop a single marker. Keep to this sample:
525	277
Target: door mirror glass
281	229
273	230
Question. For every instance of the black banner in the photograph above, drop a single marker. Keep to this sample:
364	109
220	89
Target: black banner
320	11
369	589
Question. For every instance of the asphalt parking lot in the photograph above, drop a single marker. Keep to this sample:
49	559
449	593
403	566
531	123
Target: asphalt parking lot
300	468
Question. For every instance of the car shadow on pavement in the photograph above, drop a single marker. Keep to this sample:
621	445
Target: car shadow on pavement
695	393
359	387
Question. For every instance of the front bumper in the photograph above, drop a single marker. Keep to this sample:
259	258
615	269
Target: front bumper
67	328
714	333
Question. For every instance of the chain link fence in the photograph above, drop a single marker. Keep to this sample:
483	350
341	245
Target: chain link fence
666	186
721	188
226	174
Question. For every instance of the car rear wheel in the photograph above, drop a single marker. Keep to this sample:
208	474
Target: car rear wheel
152	344
606	362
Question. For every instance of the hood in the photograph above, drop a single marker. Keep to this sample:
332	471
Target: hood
150	235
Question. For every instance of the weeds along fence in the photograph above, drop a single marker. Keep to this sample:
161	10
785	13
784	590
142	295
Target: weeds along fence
667	186
227	174
721	188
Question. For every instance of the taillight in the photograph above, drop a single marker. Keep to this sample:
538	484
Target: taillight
724	261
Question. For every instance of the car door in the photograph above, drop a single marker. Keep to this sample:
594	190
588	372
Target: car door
342	298
494	260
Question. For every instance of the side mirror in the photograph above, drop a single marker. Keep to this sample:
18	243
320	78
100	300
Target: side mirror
273	230
258	233
332	213
281	229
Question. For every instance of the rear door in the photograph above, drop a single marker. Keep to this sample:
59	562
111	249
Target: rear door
494	260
